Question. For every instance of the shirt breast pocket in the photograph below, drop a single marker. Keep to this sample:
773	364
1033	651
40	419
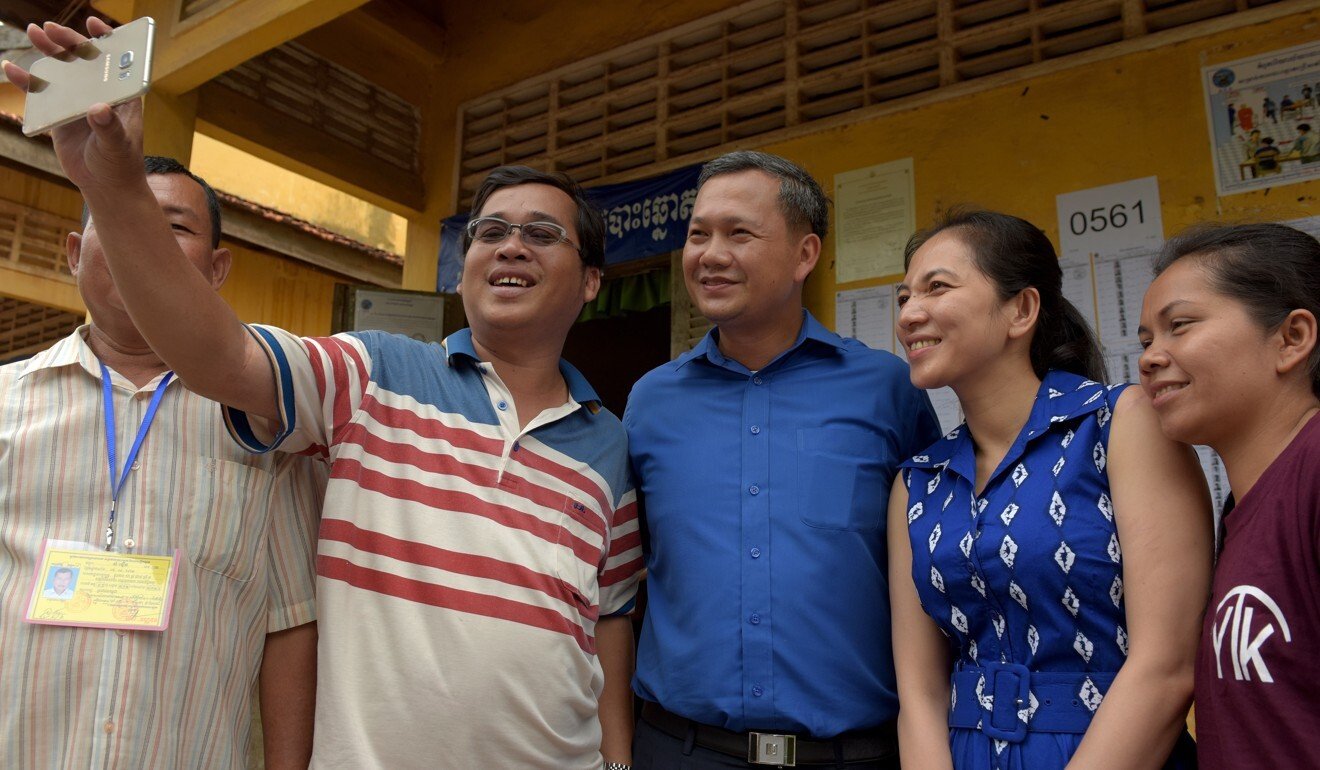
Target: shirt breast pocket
226	518
841	479
578	551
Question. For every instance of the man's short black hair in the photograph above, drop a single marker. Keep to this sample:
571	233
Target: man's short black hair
590	224
63	571
159	164
801	200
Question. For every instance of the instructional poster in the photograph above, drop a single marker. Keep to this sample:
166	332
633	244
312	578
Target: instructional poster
1262	113
875	213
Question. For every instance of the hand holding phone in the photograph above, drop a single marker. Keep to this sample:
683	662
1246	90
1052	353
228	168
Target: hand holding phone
104	150
112	68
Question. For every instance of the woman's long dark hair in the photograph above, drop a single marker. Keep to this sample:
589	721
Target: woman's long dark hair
1014	254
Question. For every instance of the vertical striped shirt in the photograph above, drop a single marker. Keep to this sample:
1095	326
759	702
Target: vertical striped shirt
463	560
180	698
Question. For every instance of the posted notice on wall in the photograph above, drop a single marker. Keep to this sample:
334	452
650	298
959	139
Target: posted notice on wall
1109	236
875	214
1262	113
419	315
870	315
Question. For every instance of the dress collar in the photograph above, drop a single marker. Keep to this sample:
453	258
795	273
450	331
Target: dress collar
1063	397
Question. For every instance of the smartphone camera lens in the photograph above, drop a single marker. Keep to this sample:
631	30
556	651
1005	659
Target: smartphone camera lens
125	60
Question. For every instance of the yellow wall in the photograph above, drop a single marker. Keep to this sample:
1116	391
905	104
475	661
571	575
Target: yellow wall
1137	116
262	287
247	176
270	289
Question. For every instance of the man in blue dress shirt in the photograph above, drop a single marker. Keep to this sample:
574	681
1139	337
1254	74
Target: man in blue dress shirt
764	457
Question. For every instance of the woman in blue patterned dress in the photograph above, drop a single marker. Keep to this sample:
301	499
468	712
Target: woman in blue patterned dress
1049	590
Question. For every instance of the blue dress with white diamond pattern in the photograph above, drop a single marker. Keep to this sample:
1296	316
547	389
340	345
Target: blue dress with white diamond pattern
1026	580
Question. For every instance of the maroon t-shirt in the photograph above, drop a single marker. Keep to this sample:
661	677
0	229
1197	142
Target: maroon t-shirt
1258	667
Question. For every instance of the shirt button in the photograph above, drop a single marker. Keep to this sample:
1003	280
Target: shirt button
503	405
757	381
754	489
516	446
757	691
755	619
756	553
976	535
136	464
109	727
756	429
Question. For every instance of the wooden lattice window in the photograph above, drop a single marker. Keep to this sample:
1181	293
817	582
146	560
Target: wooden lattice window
27	328
32	241
770	66
311	90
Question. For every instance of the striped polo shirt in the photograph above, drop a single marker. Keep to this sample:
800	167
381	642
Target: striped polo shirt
463	561
179	698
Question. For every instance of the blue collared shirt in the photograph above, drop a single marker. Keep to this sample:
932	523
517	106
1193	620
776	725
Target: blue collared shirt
764	495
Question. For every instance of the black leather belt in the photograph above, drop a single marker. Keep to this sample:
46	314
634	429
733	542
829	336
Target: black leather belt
778	750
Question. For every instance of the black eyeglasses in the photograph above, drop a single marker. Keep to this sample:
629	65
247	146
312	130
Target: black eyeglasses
541	235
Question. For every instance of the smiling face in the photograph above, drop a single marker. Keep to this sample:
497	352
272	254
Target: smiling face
184	204
743	264
513	291
1207	362
951	321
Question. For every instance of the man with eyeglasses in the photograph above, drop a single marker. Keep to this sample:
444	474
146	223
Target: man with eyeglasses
478	545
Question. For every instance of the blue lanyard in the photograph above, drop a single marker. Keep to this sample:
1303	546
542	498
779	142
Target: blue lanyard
110	442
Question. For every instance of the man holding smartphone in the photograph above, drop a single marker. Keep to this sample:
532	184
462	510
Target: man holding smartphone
479	545
166	477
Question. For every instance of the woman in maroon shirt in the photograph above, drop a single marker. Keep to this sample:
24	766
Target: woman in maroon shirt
1231	360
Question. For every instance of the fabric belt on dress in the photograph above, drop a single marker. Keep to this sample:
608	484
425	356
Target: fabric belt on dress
1007	700
778	749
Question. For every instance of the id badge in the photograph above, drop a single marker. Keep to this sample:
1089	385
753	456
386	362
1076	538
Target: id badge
77	584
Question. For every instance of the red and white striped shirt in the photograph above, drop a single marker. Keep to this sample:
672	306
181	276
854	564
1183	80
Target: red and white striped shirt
463	561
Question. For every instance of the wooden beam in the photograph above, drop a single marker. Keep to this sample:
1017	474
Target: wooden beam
191	51
35	154
250	126
29	287
422	258
406	29
169	123
258	231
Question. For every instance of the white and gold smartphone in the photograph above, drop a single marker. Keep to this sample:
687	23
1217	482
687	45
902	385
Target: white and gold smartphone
113	69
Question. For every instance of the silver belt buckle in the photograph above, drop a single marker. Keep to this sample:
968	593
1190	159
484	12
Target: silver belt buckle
771	749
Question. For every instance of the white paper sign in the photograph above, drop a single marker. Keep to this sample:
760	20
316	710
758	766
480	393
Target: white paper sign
1112	220
875	214
413	314
868	315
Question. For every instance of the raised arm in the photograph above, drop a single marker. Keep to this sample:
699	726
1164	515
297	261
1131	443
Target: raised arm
174	307
920	655
1162	510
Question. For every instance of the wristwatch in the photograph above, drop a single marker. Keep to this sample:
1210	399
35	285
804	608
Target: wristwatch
617	766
